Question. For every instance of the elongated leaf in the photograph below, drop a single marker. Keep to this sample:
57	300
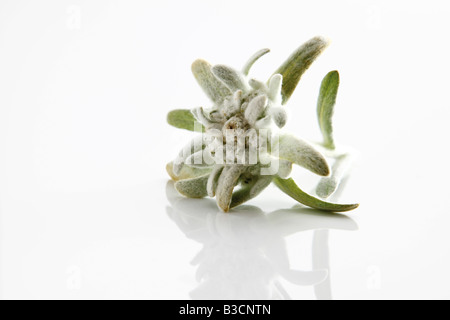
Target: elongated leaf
183	119
193	188
250	191
186	172
231	78
289	187
296	65
248	65
325	107
301	153
212	87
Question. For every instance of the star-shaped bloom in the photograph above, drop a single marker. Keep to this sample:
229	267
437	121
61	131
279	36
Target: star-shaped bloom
240	143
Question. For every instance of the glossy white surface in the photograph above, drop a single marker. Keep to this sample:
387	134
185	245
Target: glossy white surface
86	207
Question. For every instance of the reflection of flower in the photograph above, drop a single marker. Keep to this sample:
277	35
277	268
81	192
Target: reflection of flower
238	146
244	255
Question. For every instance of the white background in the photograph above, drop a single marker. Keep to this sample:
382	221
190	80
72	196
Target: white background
85	87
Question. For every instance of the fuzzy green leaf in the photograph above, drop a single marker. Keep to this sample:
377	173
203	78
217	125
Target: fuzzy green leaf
301	153
183	119
212	86
296	65
325	107
193	188
289	187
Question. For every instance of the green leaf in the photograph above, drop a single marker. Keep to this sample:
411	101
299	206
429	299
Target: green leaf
325	107
296	65
193	188
289	187
300	152
183	119
248	65
212	86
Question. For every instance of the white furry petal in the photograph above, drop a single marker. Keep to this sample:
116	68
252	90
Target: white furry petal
214	180
227	181
256	109
233	79
275	84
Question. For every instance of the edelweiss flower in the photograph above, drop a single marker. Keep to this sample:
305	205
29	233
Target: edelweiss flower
239	145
